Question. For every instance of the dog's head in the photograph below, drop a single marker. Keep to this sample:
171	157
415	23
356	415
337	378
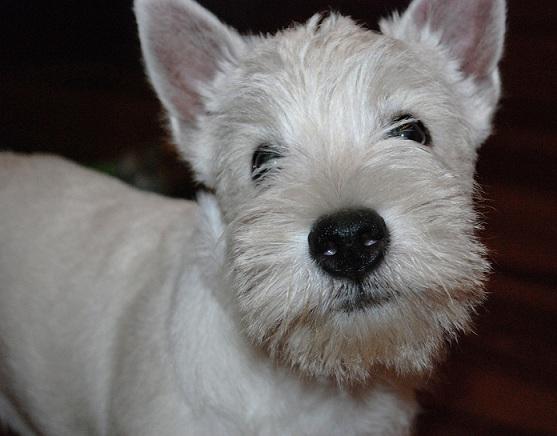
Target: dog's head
343	162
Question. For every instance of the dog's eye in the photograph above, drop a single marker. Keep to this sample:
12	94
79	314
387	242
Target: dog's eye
264	159
410	128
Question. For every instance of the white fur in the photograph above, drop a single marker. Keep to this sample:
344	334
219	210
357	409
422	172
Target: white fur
126	313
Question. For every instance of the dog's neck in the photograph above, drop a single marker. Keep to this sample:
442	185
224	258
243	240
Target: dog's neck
210	245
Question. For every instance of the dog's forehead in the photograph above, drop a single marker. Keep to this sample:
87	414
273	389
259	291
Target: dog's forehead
321	55
329	64
320	44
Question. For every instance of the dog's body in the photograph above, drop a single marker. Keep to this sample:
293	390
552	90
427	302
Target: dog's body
125	313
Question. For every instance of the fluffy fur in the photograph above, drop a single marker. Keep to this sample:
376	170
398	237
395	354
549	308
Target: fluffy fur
126	313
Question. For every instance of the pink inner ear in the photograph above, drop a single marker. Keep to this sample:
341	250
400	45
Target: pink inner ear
187	50
468	29
421	14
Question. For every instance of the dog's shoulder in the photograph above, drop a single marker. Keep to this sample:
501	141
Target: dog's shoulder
52	209
55	185
51	176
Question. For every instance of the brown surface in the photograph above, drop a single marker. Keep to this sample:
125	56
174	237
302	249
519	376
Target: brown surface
73	85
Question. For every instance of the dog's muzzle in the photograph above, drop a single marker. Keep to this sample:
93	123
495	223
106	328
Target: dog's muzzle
349	243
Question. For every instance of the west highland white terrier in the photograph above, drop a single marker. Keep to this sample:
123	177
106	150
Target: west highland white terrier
313	289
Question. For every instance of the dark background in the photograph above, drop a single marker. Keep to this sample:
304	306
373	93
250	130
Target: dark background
71	83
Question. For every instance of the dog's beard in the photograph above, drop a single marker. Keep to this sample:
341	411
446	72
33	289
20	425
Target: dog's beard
347	339
325	327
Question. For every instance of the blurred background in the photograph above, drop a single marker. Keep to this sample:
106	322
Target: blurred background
71	83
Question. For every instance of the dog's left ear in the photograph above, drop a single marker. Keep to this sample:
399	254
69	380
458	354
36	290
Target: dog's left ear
470	32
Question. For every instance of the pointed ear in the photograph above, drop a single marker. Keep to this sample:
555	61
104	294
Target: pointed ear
471	32
184	47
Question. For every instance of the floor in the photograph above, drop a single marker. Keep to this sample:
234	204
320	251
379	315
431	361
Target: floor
73	86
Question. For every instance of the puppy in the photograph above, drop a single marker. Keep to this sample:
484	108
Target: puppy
313	290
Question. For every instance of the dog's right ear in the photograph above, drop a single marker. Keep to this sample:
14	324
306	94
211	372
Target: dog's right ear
184	46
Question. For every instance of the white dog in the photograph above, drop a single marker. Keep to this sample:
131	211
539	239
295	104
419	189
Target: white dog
314	290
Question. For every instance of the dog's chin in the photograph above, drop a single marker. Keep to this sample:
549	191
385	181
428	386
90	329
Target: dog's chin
363	303
358	296
362	335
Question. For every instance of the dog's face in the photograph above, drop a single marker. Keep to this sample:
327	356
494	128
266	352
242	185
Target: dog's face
343	164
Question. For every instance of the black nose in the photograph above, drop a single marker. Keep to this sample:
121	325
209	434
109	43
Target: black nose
349	243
